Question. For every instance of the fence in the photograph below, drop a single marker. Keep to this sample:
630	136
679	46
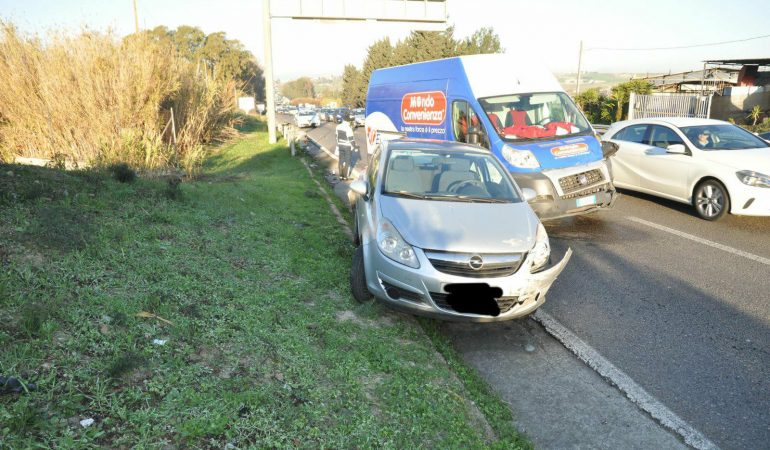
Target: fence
669	105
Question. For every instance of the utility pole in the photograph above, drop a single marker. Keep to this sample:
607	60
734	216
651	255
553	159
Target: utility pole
269	82
580	63
136	18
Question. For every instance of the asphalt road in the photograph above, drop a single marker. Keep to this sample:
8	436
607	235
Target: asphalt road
679	304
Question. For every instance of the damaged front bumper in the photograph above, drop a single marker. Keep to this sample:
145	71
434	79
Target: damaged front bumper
428	292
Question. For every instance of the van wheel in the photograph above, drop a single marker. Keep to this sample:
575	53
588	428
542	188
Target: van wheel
711	200
358	277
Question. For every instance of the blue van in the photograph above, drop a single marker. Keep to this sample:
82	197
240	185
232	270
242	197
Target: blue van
516	110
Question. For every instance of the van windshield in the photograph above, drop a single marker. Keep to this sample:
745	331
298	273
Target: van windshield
537	116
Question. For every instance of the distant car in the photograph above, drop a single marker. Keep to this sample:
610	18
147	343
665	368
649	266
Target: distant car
444	231
342	114
359	116
713	165
307	118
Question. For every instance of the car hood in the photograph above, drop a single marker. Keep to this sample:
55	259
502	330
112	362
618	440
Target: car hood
757	159
462	227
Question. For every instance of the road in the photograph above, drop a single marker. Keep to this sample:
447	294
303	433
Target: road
680	305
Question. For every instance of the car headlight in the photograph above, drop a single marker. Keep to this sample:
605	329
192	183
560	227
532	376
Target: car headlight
524	159
753	178
541	251
393	246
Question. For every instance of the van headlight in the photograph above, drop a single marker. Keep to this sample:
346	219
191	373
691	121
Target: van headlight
393	246
752	178
541	252
523	159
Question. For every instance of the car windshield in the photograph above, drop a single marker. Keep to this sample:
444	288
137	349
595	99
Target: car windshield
523	117
449	176
722	137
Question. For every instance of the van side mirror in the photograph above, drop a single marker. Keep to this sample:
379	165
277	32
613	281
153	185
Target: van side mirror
360	187
529	194
609	148
677	149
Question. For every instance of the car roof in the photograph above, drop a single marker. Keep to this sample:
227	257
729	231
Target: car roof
678	122
433	144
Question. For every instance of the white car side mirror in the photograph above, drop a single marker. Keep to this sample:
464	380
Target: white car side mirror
677	149
359	187
529	194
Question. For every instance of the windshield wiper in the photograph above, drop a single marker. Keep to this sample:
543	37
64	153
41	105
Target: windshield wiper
482	199
407	194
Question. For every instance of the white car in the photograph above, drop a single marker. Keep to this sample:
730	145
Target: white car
713	165
308	119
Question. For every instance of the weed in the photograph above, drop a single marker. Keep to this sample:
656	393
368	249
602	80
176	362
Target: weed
123	364
62	227
33	318
123	173
173	191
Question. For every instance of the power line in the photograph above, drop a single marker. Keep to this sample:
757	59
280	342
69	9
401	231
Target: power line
679	47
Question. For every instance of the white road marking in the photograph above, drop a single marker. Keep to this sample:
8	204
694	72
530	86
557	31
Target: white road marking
734	251
626	384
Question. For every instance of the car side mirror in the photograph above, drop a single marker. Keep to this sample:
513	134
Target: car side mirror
677	149
473	136
360	187
609	148
529	194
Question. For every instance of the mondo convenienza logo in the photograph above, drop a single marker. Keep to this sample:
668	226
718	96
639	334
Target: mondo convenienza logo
423	108
565	151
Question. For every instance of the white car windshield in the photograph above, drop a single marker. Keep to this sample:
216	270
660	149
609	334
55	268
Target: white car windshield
722	137
448	175
534	116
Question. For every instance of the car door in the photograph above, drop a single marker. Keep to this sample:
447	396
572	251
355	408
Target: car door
631	147
662	172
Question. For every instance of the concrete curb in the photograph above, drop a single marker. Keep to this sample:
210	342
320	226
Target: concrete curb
355	174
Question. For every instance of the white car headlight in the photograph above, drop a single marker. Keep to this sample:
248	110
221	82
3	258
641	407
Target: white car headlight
542	249
524	159
752	178
393	246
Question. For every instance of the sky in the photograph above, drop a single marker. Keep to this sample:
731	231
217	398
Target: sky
546	30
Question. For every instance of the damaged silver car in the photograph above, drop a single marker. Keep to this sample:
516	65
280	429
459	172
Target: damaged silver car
442	230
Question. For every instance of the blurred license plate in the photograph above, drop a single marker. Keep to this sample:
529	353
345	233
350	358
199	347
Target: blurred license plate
585	201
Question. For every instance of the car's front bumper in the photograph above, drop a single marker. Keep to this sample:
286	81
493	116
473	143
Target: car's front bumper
552	202
749	200
422	291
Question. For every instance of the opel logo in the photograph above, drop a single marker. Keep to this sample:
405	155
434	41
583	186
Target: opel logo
582	179
476	262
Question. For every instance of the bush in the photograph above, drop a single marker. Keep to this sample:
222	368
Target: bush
100	100
123	173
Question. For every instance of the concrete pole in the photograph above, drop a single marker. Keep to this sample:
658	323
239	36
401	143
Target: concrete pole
136	18
269	83
580	63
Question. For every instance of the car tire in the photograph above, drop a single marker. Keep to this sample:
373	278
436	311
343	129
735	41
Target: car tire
711	200
356	235
358	277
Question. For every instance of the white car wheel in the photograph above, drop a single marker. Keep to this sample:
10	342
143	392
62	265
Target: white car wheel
711	200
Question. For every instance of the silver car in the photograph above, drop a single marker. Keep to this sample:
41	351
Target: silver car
443	231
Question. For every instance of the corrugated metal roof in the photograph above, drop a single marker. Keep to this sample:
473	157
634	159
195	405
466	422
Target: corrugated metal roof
740	62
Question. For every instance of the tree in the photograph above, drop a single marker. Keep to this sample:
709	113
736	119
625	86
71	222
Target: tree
590	101
299	88
755	114
351	86
484	40
621	93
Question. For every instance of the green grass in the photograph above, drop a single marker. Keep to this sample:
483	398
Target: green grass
266	347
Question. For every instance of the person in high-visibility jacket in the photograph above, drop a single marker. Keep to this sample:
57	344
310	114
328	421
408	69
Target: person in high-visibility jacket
346	145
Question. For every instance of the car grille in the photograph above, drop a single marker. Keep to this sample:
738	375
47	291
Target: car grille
396	293
585	192
572	183
504	303
494	265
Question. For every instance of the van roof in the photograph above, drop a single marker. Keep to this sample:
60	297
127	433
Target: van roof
488	75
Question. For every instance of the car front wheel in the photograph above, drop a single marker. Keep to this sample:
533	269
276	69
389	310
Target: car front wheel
358	277
711	200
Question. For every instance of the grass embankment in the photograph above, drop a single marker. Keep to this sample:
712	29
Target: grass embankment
264	347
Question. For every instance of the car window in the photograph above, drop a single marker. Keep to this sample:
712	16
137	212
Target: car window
372	170
465	119
722	137
662	137
632	133
447	175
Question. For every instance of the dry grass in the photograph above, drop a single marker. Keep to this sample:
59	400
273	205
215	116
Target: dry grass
94	98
